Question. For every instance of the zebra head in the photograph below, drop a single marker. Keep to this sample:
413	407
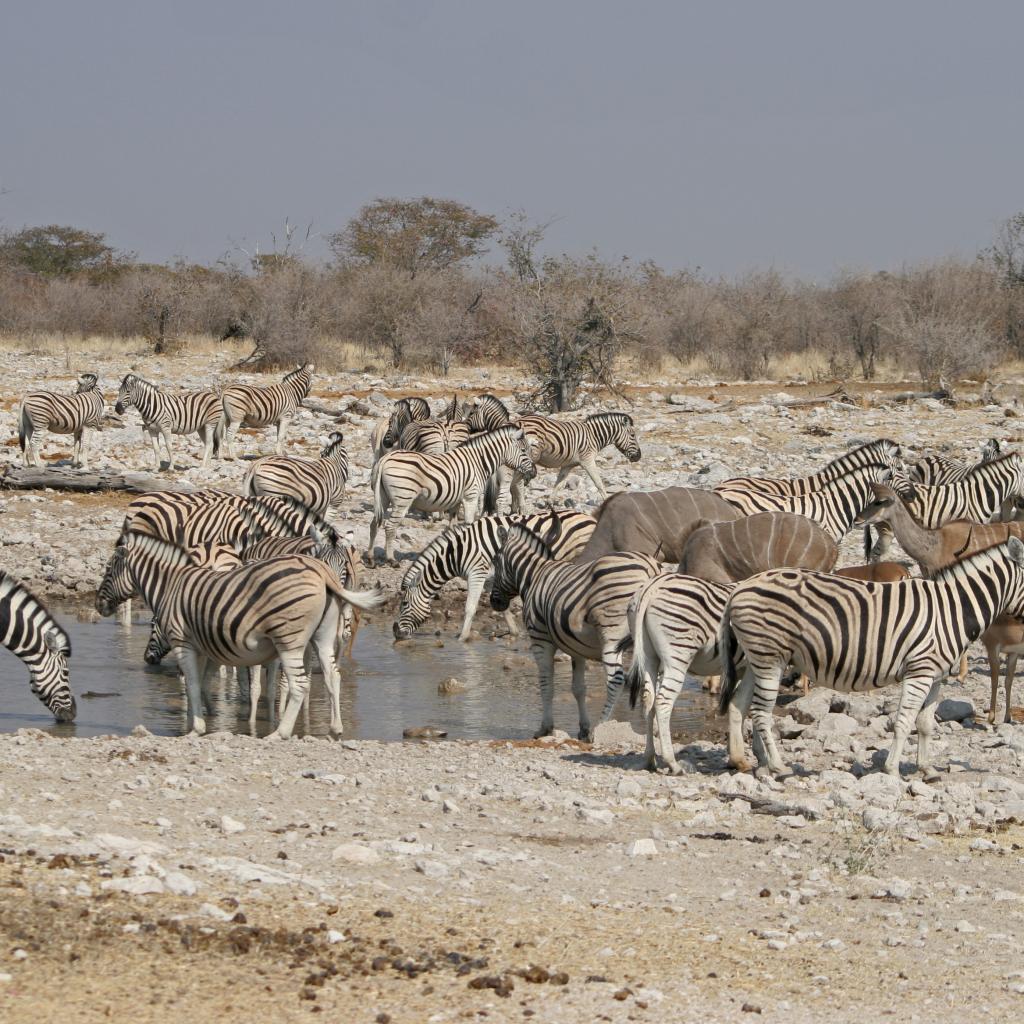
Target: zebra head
49	674
517	453
626	440
991	449
488	412
117	584
414	607
86	382
157	647
334	442
126	394
520	553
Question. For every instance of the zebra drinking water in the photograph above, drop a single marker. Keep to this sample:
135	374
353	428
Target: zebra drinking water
163	414
61	414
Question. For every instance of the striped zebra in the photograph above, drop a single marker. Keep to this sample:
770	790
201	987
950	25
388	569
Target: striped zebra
849	635
403	481
61	414
242	617
488	412
467	552
433	437
747	493
192	412
835	506
941	469
674	622
31	633
319	484
252	405
567	444
406	411
579	608
980	496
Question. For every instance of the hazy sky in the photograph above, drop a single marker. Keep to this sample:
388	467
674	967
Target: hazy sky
731	135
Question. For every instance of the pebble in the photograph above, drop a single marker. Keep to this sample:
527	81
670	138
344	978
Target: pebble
353	853
229	826
642	848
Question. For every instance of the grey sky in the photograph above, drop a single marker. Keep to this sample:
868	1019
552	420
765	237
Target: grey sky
805	135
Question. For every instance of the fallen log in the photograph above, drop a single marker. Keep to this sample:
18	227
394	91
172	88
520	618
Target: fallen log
31	478
322	409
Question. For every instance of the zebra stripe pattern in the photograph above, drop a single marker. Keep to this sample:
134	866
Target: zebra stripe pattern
406	411
241	617
60	414
745	491
252	405
467	552
192	412
579	608
319	484
674	623
566	444
403	481
433	437
941	469
32	634
851	635
488	412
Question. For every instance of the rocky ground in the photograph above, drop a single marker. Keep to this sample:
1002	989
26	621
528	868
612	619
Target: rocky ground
238	879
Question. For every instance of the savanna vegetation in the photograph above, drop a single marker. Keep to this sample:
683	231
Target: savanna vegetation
427	284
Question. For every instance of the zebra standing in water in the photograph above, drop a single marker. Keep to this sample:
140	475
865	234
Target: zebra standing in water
853	636
319	484
979	496
253	405
579	608
193	412
941	469
747	492
241	617
61	414
468	552
403	481
31	633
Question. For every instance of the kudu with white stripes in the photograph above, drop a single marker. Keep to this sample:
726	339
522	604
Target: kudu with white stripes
61	414
849	635
164	414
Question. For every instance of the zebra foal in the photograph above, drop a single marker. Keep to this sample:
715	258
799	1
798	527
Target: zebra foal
254	405
32	634
403	481
579	608
61	414
318	484
849	635
163	414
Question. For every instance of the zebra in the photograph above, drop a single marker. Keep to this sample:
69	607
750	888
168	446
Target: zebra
319	484
61	414
579	608
406	411
31	633
252	405
835	506
674	622
981	495
488	412
466	552
193	412
851	635
941	469
566	444
433	437
745	493
403	481
242	617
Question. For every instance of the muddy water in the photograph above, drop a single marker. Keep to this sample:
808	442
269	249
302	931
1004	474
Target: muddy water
386	688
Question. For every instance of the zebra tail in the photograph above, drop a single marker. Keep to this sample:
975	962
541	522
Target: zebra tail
640	667
729	647
22	426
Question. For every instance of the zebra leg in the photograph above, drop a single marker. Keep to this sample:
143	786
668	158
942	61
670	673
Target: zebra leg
589	466
611	660
738	708
993	671
474	590
192	668
155	446
544	656
672	679
255	691
649	696
925	728
1011	669
517	494
282	429
206	436
293	666
228	440
391	521
170	449
563	475
766	691
325	638
79	457
510	621
913	692
883	542
579	691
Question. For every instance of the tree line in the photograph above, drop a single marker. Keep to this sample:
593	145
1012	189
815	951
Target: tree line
407	284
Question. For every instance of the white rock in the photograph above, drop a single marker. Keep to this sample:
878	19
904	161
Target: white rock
136	885
229	826
642	848
965	927
354	853
334	937
431	868
179	884
629	788
596	815
211	910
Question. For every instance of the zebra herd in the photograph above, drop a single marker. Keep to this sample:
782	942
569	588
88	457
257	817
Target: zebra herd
263	578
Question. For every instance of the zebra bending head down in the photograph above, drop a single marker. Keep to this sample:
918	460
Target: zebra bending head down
406	411
851	635
29	631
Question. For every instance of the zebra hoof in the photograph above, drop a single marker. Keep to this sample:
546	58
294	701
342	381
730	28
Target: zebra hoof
586	736
930	775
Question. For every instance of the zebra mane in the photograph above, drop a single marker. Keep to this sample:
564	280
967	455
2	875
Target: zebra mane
1011	550
608	417
478	440
8	584
333	441
87	382
171	555
298	371
283	509
992	465
492	400
537	542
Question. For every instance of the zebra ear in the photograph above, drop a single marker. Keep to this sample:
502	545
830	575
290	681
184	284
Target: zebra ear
335	436
1016	550
315	535
502	534
53	642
